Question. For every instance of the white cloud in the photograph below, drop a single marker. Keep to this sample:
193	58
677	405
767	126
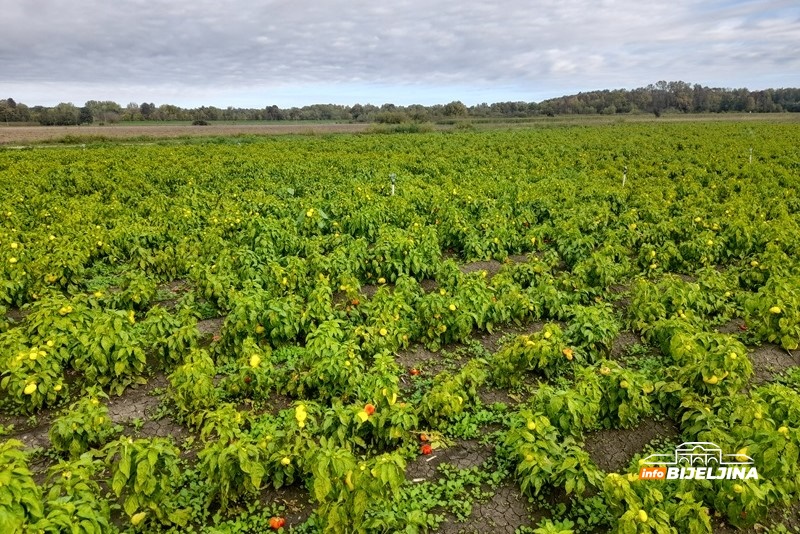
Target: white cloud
404	51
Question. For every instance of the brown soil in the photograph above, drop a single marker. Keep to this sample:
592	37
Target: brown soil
136	406
369	290
622	303
463	454
35	134
619	288
611	450
505	512
210	327
449	254
32	436
789	518
177	288
530	383
491	267
39	466
278	402
620	296
162	428
339	299
491	341
418	357
734	326
771	360
136	403
17	315
623	342
518	258
490	396
295	498
428	285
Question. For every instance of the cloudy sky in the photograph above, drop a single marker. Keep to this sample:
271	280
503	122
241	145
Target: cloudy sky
253	53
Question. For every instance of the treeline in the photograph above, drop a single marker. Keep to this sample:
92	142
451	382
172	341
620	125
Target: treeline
662	97
679	97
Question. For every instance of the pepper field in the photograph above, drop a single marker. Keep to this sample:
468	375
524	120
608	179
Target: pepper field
246	334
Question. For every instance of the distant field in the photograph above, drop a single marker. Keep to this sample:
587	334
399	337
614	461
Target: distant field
144	131
15	135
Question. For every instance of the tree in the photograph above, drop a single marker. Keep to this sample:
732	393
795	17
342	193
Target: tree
655	98
659	97
204	113
391	117
85	116
681	95
11	111
169	112
7	111
455	109
273	113
418	113
63	114
147	110
104	111
132	112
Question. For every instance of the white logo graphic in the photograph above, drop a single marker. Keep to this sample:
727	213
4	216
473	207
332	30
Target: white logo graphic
697	460
693	453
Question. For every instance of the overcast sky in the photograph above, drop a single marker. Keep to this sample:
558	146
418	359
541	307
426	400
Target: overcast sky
291	53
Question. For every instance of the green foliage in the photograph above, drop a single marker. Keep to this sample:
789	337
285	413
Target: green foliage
73	502
20	497
413	252
136	291
192	387
547	526
345	486
774	312
442	319
174	336
544	459
332	293
592	329
642	507
545	351
33	378
251	376
85	425
142	475
232	468
452	395
709	363
572	410
110	354
762	426
626	395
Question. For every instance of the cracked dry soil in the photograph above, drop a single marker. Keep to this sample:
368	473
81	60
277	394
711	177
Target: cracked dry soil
770	360
611	450
505	512
463	454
